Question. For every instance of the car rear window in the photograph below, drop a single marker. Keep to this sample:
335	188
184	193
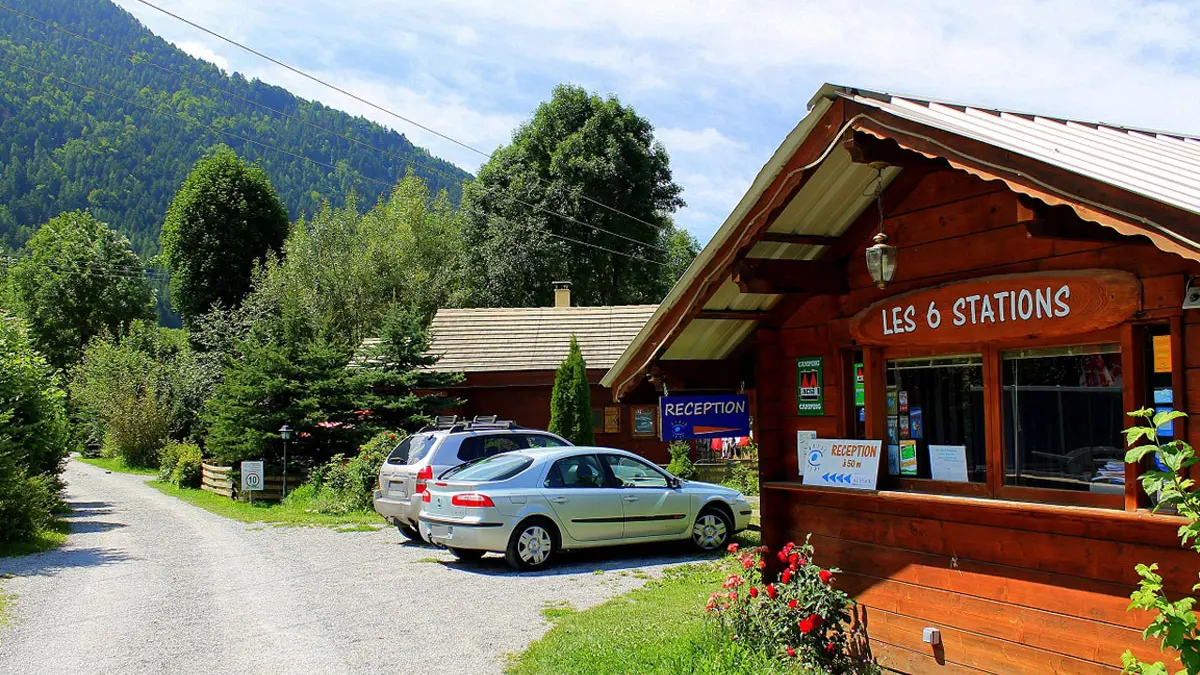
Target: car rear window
412	449
479	447
496	467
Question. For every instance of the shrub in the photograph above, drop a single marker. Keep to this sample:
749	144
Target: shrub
681	460
26	502
342	486
743	478
801	616
1174	623
180	464
571	399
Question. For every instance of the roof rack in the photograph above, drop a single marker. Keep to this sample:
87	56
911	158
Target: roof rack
451	423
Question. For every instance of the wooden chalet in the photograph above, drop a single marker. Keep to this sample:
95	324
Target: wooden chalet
1041	286
509	357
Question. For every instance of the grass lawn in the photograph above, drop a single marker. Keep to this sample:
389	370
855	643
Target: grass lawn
658	629
5	602
270	512
45	540
116	465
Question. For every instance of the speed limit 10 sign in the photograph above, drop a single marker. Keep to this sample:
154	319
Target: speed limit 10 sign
252	475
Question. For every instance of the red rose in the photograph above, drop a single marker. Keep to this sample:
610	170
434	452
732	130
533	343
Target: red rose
809	624
733	547
783	557
793	603
791	652
762	564
789	547
787	576
754	591
801	562
771	592
829	648
826	576
747	563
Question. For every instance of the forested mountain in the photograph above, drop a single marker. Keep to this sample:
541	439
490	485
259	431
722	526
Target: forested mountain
64	148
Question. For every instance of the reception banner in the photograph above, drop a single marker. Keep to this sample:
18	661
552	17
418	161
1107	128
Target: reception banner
842	463
690	417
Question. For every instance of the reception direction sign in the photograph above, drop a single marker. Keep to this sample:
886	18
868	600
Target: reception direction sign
842	463
690	417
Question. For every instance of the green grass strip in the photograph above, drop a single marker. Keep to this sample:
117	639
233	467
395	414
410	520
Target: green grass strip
116	465
266	512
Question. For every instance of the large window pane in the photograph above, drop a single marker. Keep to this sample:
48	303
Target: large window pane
935	425
1063	419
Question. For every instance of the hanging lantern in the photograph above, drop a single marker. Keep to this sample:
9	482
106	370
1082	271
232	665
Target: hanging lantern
881	261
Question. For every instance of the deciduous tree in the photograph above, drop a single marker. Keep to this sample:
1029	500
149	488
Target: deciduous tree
77	279
581	161
224	219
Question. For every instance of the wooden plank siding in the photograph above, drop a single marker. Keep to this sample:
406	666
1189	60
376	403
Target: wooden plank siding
1015	587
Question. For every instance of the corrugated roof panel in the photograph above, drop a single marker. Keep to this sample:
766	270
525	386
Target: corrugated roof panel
1159	166
708	340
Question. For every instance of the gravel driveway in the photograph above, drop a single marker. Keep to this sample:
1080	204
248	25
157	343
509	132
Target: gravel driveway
149	584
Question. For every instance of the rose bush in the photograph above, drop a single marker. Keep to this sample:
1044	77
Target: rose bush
799	615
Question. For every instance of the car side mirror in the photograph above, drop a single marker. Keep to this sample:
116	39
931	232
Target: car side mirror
674	483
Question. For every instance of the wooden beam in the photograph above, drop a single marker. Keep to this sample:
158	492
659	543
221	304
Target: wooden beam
814	277
733	315
868	149
799	239
1061	222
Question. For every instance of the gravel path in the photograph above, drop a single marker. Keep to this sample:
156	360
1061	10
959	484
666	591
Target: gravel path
149	584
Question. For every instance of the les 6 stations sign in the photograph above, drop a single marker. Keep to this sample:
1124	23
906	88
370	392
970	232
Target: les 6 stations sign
1000	308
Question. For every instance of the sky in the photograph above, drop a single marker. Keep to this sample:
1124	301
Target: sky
722	82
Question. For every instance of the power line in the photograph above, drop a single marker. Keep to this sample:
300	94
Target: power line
287	152
376	106
136	58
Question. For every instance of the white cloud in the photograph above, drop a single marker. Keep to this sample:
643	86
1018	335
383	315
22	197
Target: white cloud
202	51
722	82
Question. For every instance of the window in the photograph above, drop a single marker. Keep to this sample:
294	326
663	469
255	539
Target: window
935	423
478	447
598	420
497	467
1063	419
580	471
542	441
630	472
412	449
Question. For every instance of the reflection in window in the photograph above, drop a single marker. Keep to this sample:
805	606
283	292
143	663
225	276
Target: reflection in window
935	425
1063	419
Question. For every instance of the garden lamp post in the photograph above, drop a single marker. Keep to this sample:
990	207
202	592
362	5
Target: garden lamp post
285	432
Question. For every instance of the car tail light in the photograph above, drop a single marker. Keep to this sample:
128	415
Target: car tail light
472	500
426	497
422	476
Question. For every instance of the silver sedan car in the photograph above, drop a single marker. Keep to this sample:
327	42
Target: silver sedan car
531	504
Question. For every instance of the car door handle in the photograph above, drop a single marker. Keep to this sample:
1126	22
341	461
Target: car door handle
558	500
631	498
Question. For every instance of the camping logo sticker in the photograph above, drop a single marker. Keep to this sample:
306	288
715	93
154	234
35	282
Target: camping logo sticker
810	390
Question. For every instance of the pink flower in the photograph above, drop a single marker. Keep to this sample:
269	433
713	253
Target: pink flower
733	548
747	563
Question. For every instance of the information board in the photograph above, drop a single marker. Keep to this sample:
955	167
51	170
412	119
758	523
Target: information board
252	475
690	417
839	462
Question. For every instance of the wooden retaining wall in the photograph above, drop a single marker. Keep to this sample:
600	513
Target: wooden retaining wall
219	479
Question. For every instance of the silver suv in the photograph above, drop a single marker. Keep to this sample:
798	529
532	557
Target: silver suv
426	454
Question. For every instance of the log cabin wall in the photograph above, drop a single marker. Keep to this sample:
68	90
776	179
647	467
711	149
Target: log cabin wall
1014	586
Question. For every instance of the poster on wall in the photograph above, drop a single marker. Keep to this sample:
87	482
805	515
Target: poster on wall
860	386
908	458
810	387
803	440
643	421
948	462
904	433
893	460
903	399
893	429
842	463
893	407
612	419
916	426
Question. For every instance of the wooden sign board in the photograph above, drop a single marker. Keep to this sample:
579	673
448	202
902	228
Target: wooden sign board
1001	308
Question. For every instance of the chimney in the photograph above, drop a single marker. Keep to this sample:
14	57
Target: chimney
562	294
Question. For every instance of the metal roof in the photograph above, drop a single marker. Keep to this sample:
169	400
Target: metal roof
1161	166
532	338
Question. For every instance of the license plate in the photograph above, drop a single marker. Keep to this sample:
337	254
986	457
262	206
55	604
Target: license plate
397	490
442	531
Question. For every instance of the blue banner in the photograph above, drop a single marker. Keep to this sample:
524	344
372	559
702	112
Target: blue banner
690	417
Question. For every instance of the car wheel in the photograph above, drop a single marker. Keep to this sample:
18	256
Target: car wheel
410	532
467	554
711	530
532	544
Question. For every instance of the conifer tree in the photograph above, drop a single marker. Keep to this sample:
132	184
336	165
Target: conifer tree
571	400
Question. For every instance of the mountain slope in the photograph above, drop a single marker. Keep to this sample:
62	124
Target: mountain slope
64	148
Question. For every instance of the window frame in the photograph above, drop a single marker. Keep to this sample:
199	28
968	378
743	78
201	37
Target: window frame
1131	340
605	474
606	456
